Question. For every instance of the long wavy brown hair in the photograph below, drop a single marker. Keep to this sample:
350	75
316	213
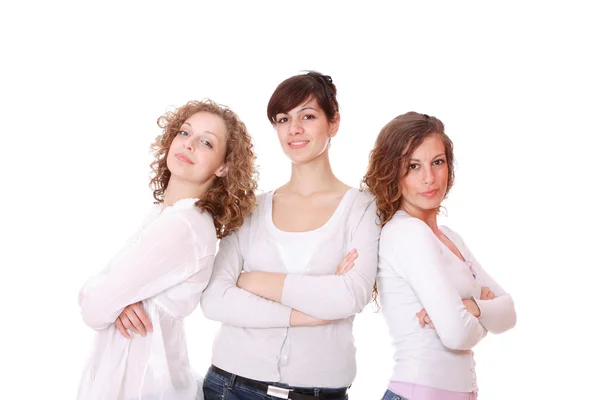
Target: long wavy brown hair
231	197
389	161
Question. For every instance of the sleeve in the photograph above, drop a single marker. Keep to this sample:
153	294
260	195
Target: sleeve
165	255
332	297
411	247
497	315
223	301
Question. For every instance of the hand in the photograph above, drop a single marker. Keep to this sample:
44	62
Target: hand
347	263
472	307
298	318
486	293
134	318
424	318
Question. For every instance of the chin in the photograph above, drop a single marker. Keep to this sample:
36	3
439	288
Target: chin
301	159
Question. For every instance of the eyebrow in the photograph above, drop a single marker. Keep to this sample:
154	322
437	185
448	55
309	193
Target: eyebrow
190	125
416	159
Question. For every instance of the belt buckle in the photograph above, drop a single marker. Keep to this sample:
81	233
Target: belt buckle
278	392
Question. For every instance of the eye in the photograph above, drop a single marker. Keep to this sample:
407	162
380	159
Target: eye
308	116
413	166
439	162
207	144
282	120
184	133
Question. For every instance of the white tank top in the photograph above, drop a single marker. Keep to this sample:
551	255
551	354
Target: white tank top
297	248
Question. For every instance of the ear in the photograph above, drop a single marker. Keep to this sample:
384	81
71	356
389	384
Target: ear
334	125
222	171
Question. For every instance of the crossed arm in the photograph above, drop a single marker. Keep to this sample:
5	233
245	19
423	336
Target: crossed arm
165	256
460	323
269	300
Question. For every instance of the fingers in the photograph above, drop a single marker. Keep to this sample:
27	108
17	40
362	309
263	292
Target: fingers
138	309
424	318
347	263
421	316
122	329
487	294
135	320
428	321
127	323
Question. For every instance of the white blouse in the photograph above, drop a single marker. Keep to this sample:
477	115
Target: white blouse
416	270
167	264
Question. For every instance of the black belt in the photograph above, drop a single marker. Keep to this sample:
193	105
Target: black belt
279	391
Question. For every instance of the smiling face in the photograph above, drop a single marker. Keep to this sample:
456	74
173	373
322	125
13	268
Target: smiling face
197	152
304	131
426	183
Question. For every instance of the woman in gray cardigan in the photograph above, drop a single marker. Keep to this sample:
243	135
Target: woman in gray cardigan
287	285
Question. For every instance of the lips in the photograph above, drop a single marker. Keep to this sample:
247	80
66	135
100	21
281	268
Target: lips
430	193
183	158
298	144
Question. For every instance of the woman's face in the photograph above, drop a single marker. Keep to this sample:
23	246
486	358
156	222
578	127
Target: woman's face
304	132
424	187
197	152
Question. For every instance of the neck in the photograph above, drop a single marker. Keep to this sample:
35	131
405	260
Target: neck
178	189
427	216
315	176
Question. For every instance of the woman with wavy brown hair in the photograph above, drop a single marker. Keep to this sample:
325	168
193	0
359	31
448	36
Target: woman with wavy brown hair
436	298
203	182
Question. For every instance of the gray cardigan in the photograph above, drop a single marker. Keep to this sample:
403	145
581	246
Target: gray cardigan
255	339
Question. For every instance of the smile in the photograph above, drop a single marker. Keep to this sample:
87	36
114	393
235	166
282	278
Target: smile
183	158
299	144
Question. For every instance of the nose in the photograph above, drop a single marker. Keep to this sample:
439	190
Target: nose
296	127
428	177
188	143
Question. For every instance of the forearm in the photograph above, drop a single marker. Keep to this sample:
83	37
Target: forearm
327	297
497	315
225	302
264	284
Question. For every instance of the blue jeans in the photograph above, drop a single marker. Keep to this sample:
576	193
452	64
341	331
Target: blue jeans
217	387
389	395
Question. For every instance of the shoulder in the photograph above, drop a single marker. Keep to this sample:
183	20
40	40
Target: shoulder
452	235
361	203
454	238
361	208
260	201
405	231
254	220
193	222
362	198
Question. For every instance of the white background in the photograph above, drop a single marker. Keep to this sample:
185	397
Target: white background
517	86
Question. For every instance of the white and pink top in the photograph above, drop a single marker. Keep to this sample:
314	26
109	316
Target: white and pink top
416	270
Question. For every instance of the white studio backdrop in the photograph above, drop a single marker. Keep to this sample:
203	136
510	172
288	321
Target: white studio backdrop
515	83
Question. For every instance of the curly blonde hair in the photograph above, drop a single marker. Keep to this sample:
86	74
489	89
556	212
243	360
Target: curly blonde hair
231	197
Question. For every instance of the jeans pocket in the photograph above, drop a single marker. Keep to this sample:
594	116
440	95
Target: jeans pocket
213	387
389	395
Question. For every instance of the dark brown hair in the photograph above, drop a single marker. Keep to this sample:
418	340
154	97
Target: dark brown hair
231	197
389	159
300	88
